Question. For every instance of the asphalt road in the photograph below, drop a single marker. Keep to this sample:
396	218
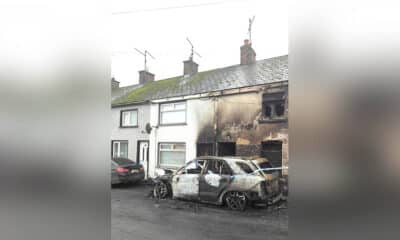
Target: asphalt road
136	216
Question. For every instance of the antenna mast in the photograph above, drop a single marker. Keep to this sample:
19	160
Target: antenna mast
251	20
192	50
145	57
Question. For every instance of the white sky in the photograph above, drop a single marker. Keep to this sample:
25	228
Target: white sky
217	30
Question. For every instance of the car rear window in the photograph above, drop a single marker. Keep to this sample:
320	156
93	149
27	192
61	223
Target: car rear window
123	161
245	167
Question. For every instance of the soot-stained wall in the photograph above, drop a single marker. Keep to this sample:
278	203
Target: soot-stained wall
238	118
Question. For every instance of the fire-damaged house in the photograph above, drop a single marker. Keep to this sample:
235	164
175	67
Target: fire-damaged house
238	110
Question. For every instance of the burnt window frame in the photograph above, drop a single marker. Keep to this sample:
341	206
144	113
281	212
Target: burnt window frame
271	100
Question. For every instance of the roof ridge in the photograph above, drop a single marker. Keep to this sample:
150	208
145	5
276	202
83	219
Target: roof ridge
227	67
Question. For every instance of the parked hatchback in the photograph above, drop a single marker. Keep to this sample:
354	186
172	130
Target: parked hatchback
220	180
124	170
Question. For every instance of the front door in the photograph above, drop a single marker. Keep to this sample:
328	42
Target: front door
143	155
214	180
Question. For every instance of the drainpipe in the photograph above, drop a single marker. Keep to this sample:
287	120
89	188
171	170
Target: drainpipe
155	149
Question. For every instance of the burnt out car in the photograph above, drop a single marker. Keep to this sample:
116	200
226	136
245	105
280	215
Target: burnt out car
232	181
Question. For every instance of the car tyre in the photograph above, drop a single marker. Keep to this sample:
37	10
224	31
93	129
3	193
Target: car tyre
236	201
161	190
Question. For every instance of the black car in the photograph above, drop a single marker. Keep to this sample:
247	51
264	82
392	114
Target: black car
124	170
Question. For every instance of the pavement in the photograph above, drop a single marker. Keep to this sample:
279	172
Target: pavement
134	215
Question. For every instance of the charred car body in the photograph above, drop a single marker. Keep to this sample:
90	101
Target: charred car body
235	182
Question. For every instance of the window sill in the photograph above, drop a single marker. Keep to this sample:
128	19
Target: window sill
172	124
273	120
128	126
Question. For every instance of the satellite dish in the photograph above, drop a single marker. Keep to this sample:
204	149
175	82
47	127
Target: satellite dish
148	128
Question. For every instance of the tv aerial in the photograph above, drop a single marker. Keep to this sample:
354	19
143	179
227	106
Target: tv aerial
251	20
145	53
192	50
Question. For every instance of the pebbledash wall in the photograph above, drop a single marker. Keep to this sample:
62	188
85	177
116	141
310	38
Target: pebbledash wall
229	116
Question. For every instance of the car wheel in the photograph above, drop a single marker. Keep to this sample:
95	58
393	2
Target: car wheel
236	201
161	190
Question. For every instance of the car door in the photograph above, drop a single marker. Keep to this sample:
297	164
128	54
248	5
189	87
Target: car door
185	184
215	178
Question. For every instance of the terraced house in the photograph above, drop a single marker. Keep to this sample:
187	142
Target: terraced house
237	110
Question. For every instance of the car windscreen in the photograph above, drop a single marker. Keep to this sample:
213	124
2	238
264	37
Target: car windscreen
123	161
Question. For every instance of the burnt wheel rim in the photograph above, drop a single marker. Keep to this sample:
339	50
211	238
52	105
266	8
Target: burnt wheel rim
236	200
161	190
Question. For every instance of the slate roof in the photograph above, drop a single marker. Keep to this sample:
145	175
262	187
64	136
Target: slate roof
262	72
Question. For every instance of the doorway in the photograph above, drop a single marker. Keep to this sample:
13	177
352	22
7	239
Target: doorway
272	150
143	155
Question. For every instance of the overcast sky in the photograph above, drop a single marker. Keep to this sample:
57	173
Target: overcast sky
217	29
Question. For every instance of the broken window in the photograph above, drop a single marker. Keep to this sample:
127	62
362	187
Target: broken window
244	167
267	111
194	167
280	109
218	167
226	149
273	106
205	149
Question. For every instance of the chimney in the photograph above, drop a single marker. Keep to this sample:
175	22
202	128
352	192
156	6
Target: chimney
145	77
190	67
114	83
247	53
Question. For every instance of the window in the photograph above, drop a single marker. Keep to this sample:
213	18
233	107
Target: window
173	113
194	167
129	118
226	149
205	149
273	106
218	167
244	167
172	154
120	149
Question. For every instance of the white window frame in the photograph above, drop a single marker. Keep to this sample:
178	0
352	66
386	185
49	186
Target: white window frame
174	108
171	149
122	118
118	144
